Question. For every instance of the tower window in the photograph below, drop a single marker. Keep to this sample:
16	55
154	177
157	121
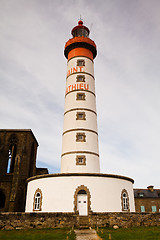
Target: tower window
125	200
81	96
80	78
80	160
81	116
80	62
80	137
37	203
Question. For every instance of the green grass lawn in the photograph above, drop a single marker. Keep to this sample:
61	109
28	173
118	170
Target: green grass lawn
136	233
37	234
139	233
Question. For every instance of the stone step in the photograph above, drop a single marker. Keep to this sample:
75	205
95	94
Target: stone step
83	222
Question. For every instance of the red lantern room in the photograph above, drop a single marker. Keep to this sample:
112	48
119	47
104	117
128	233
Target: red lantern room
80	30
80	44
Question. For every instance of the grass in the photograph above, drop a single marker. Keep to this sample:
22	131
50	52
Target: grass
139	233
135	233
37	234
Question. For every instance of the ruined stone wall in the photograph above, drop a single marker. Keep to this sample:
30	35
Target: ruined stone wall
61	220
18	148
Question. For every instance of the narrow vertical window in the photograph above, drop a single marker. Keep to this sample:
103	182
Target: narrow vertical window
125	202
31	162
12	151
9	160
37	202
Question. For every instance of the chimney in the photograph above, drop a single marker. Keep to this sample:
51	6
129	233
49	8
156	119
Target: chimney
150	188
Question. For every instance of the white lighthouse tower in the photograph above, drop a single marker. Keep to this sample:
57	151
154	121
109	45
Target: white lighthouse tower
80	188
80	137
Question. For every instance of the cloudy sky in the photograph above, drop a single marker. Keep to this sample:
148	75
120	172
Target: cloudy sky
127	71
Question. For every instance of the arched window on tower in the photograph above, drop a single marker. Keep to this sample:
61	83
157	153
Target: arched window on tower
125	200
37	202
12	153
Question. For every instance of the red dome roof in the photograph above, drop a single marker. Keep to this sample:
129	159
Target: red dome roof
80	22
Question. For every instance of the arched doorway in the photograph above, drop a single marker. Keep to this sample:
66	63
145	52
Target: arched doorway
2	199
82	201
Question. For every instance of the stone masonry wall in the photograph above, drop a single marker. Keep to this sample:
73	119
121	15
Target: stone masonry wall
125	220
36	220
60	220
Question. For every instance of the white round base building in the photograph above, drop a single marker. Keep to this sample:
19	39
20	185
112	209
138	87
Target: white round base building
80	193
80	188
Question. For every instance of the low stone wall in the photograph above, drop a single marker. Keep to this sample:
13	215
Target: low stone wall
125	220
60	220
36	220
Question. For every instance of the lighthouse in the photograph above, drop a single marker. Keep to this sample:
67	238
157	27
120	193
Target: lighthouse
80	188
80	151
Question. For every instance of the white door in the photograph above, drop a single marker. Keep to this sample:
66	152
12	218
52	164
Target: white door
82	204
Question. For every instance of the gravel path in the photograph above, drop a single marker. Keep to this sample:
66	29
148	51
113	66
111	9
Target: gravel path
86	234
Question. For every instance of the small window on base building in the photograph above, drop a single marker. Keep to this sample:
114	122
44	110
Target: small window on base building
154	209
142	209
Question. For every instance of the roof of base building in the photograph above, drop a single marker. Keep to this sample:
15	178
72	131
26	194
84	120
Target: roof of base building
150	192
